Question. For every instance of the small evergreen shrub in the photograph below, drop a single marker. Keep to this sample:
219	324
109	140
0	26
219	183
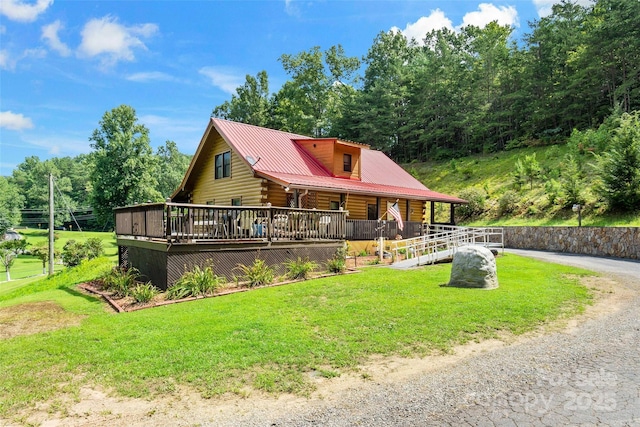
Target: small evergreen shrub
143	292
299	269
553	190
257	274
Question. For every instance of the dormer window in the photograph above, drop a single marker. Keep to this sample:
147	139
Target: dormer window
346	161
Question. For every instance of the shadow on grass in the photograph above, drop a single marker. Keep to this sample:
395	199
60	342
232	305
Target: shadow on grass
75	293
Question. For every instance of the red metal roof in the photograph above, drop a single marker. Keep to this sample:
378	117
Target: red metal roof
275	155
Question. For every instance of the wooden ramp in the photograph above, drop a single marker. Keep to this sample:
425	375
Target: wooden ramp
441	243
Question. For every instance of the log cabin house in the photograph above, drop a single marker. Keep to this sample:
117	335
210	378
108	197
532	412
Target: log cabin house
251	189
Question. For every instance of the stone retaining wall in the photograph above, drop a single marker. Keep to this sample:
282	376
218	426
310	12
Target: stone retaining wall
621	242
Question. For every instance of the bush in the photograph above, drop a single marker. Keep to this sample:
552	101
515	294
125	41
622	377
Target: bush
571	182
338	264
552	189
120	281
73	253
94	247
143	292
195	283
508	203
258	274
299	269
476	199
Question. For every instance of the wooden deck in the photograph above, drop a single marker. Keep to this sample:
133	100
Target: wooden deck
182	223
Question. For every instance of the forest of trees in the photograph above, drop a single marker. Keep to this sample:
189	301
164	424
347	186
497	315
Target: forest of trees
456	93
451	94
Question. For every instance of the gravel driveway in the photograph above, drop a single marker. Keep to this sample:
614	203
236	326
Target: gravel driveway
587	375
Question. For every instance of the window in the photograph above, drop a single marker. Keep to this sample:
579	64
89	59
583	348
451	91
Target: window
372	212
223	165
346	161
334	206
236	202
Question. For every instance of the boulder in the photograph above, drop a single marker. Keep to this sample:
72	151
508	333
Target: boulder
474	267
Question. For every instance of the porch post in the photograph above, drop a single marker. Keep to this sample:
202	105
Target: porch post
452	214
433	212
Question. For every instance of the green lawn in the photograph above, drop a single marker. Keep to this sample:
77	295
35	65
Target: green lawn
26	268
271	339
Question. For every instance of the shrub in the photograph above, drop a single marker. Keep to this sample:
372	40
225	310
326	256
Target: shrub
552	189
508	203
571	182
194	283
258	274
94	247
476	199
338	264
143	292
73	253
120	281
299	269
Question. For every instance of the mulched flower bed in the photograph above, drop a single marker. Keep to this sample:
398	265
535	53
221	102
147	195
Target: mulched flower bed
127	304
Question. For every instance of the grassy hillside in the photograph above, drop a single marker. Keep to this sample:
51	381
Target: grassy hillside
28	268
491	174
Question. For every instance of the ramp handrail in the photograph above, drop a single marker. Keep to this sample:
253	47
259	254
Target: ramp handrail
445	240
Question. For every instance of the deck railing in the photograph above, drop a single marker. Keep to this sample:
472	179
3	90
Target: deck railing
179	222
373	229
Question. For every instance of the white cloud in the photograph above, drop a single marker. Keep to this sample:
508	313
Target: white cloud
50	35
417	30
544	6
9	62
5	61
58	144
291	8
150	76
224	78
487	12
13	121
17	10
113	42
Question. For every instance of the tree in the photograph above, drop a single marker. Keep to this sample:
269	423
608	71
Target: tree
32	179
124	167
378	112
619	166
571	181
250	104
11	201
41	252
531	168
315	90
9	251
172	165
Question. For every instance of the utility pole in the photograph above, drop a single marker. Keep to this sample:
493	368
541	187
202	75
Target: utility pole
51	224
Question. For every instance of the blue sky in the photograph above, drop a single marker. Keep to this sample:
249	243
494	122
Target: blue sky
64	63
